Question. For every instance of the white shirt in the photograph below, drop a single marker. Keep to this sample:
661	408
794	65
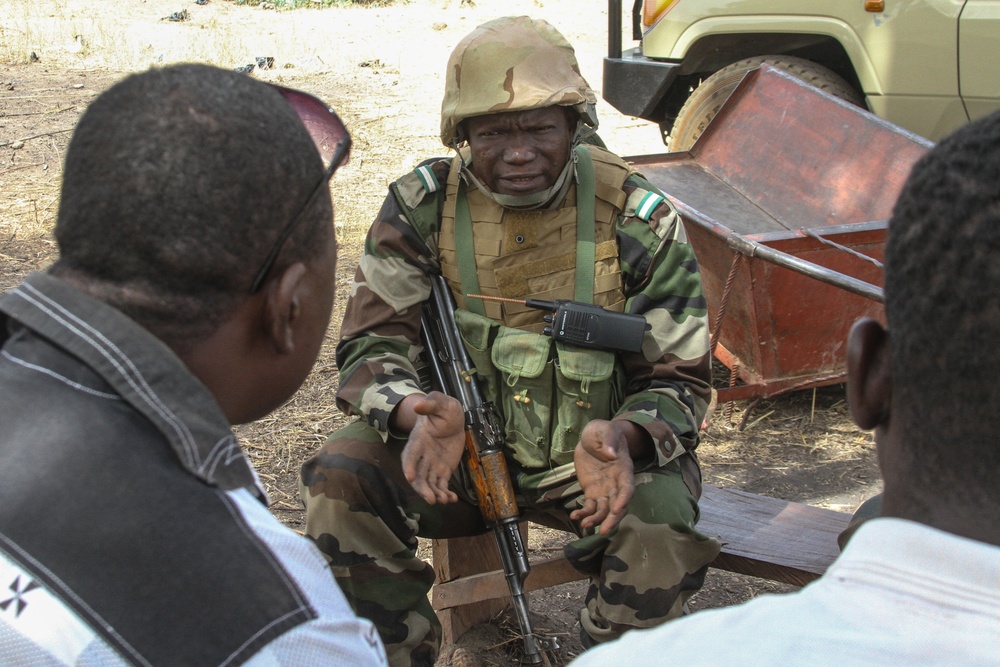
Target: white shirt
132	527
37	628
901	593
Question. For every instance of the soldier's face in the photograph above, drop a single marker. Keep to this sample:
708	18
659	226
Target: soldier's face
520	152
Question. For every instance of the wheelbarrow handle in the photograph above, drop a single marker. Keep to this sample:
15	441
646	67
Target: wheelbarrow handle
745	246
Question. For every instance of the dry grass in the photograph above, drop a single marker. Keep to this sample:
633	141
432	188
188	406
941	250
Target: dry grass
132	35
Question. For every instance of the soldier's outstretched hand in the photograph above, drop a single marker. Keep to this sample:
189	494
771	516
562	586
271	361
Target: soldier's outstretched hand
604	469
434	448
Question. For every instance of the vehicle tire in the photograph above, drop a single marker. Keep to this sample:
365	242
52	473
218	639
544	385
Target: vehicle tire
704	103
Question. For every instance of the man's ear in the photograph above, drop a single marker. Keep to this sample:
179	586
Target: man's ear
283	307
869	373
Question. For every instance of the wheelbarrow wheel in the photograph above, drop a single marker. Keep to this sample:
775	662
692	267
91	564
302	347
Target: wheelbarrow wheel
704	103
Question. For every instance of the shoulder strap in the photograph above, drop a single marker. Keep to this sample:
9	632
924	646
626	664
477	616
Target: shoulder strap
584	290
464	245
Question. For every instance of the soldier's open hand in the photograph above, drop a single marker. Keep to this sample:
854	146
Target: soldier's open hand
435	446
605	471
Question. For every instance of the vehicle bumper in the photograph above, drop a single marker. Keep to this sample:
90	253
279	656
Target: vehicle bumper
635	85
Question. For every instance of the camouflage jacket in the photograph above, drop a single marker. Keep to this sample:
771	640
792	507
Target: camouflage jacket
380	336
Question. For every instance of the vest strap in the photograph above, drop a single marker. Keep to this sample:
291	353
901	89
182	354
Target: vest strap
466	255
584	290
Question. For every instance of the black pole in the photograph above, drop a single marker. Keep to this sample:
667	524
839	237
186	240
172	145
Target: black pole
636	24
615	29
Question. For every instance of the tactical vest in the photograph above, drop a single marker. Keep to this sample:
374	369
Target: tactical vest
521	254
546	391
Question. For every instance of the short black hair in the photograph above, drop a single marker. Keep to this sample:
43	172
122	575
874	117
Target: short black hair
177	182
942	286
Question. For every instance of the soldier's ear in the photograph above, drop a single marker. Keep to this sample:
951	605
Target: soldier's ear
869	374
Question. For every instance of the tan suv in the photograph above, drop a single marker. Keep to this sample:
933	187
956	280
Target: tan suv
928	66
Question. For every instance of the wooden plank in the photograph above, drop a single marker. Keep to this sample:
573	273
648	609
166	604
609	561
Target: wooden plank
770	538
763	537
492	585
456	560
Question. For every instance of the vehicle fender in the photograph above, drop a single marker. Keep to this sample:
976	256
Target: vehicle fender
657	43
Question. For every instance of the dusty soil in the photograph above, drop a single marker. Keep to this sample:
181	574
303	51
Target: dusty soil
381	67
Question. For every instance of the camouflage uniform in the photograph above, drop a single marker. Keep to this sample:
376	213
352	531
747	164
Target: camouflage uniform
363	514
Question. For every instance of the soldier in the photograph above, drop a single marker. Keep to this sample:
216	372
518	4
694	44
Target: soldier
599	444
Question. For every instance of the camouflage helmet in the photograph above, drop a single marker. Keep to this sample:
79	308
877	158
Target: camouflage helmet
514	63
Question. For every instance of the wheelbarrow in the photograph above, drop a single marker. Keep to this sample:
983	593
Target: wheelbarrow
786	198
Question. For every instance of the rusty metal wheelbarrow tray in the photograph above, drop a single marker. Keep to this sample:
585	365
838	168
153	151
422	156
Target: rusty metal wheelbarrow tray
785	198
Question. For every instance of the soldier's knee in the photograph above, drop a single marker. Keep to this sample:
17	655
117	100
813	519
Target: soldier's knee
354	473
662	498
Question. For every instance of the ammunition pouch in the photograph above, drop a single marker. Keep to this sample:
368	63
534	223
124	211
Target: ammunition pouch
546	391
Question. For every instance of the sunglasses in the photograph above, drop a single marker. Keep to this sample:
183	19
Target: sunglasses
332	140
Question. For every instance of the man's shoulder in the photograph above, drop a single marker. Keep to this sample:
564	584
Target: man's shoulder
605	156
640	200
426	180
751	632
611	176
632	178
275	595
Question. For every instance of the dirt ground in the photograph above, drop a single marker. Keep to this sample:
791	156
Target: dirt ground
381	68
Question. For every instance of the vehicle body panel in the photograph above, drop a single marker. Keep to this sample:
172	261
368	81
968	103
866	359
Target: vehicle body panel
979	44
904	59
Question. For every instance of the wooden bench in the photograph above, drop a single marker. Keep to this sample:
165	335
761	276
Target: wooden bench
762	537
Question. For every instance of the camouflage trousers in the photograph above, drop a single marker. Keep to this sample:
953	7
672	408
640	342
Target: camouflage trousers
366	519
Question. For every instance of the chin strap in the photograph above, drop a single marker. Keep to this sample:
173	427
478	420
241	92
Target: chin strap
550	195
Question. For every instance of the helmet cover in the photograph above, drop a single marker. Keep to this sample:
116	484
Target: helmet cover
514	63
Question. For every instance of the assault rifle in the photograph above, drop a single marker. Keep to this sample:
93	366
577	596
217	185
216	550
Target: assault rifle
484	459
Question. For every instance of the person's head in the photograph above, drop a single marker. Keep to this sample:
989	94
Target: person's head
180	185
929	385
515	94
